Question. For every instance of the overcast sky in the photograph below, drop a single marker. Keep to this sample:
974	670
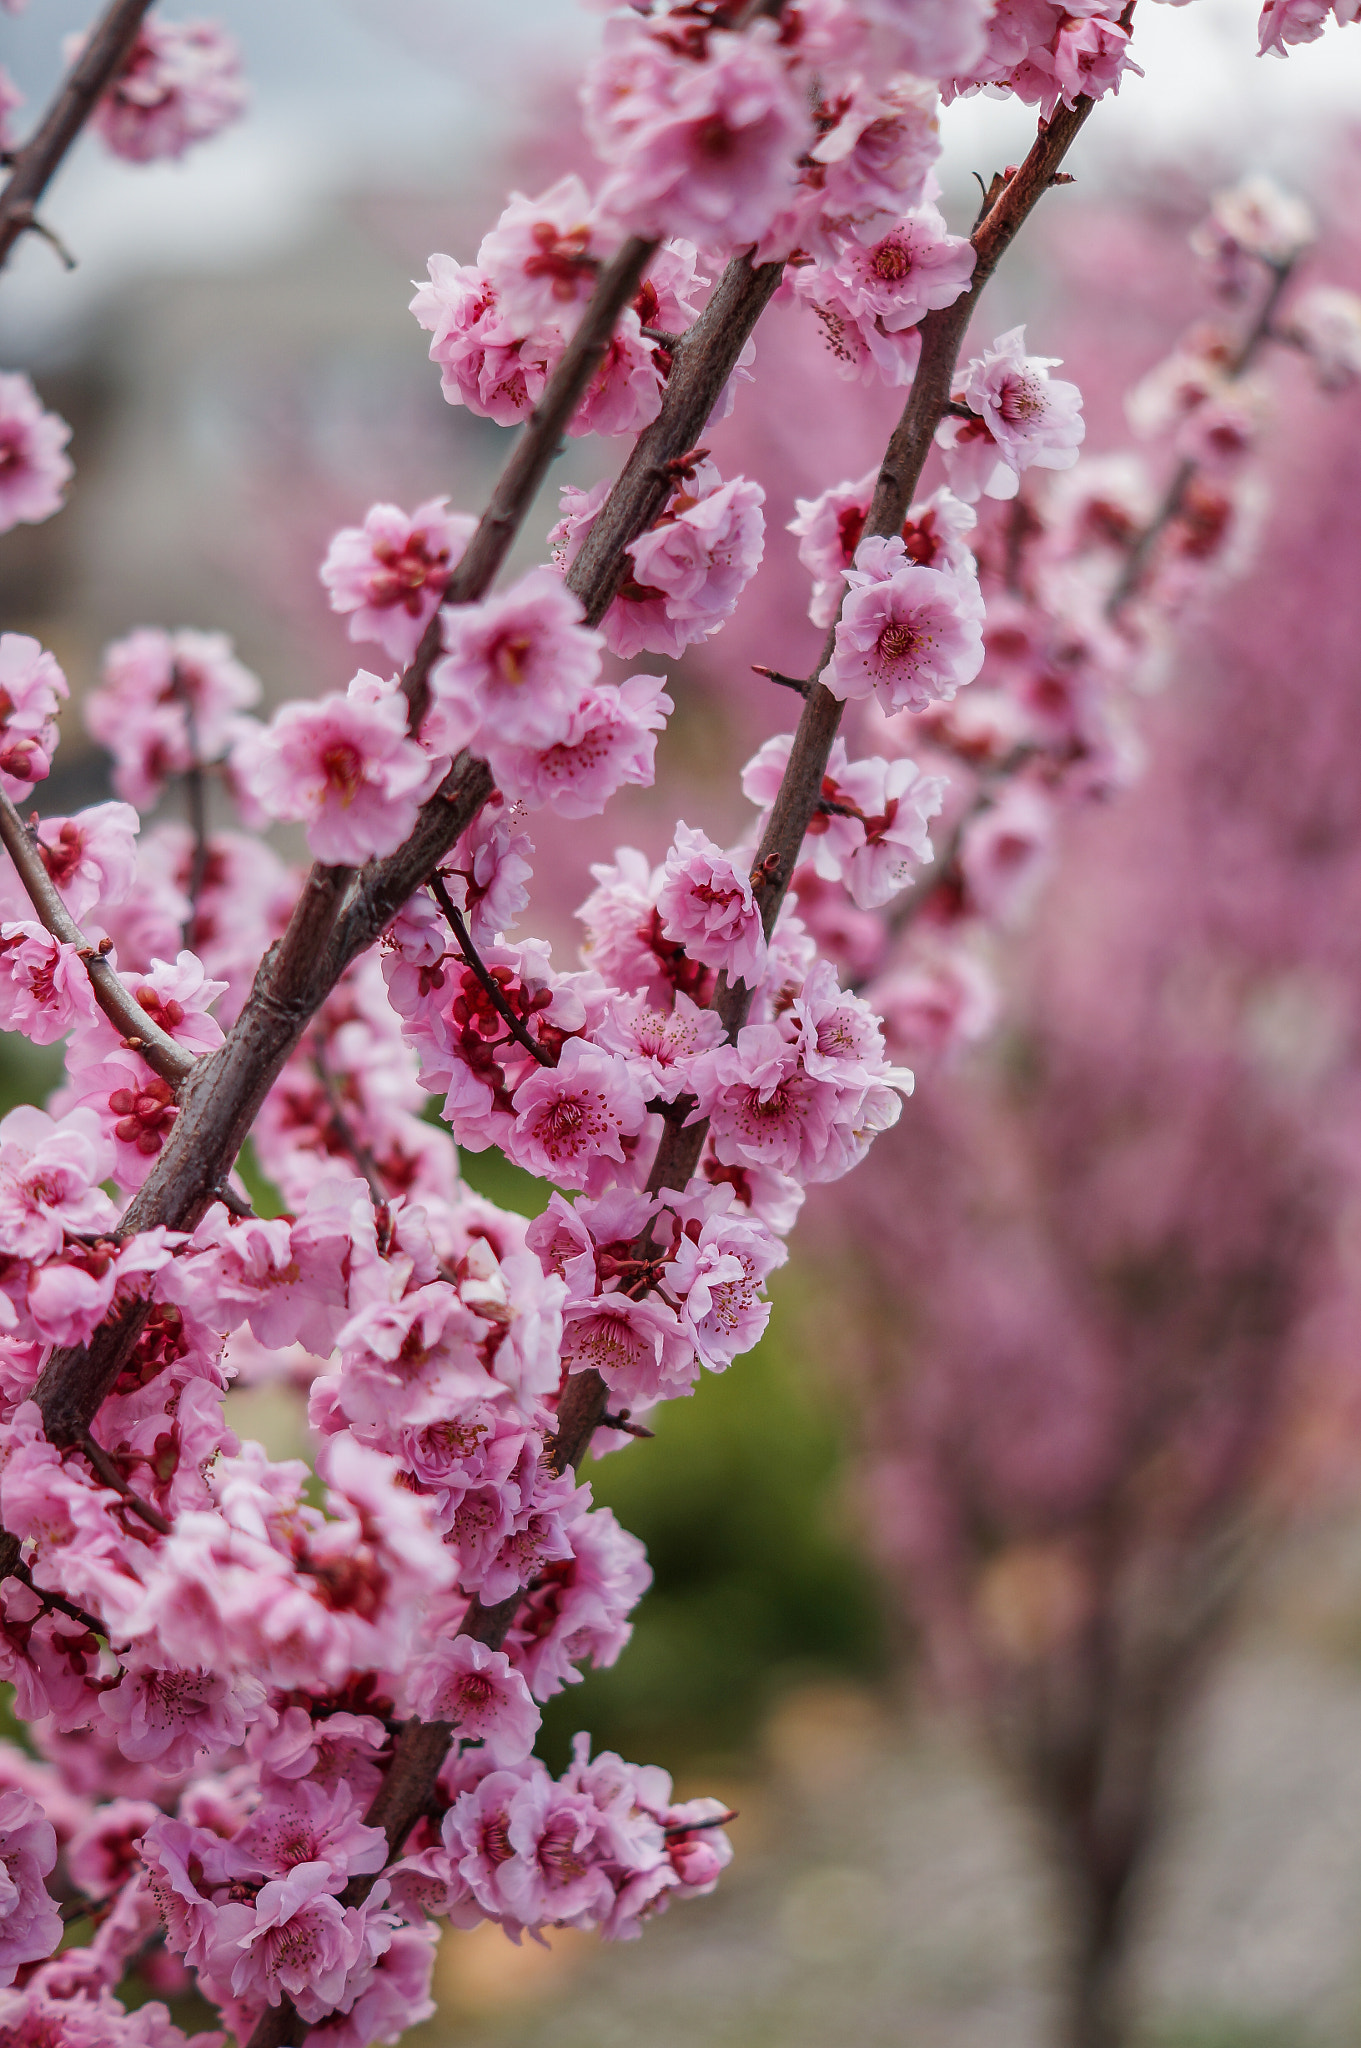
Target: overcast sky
346	93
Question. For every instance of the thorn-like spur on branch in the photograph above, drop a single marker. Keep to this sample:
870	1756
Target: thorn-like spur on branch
491	988
160	1051
772	675
533	454
105	53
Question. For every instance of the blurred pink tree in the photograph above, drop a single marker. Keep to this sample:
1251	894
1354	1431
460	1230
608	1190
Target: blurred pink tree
1110	1339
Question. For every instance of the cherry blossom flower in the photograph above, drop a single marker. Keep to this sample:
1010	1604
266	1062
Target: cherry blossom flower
389	574
515	664
707	907
830	529
862	348
477	1692
543	254
134	1107
30	1925
609	742
1005	850
572	1118
873	835
910	636
300	1822
1023	419
639	1348
709	147
344	767
34	470
181	84
1284	22
168	701
297	1941
875	160
91	859
169	1718
1325	321
483	364
31	685
50	1170
914	268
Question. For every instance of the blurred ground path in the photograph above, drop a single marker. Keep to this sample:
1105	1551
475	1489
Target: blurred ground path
886	1896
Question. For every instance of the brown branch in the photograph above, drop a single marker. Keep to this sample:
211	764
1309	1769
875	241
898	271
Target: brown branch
160	1051
105	53
105	1469
700	371
534	452
349	1137
495	994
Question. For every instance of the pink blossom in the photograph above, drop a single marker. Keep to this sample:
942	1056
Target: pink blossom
168	701
830	530
936	1002
44	988
389	574
169	1718
719	1271
187	1865
556	1873
571	1118
580	1609
91	859
1283	22
395	1994
875	837
488	871
344	767
1326	322
690	567
1005	850
913	269
910	636
709	153
483	364
300	1821
875	160
177	998
862	348
30	1925
514	664
659	1044
707	906
933	38
476	1691
31	685
180	85
609	742
1255	218
1089	57
543	253
297	1941
102	1855
34	471
638	1347
1024	419
50	1172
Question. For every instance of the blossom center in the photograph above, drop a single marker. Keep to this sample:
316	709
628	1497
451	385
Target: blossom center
891	261
898	641
510	657
343	765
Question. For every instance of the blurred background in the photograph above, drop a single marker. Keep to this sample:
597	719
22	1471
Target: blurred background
1012	1589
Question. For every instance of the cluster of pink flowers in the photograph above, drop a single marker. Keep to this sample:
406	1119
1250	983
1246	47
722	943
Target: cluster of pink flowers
218	1653
34	468
181	85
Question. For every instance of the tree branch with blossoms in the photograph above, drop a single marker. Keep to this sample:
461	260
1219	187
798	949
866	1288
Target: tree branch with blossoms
344	1668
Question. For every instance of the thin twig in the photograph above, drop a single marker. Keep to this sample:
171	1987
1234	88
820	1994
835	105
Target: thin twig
160	1051
349	1137
104	55
106	1470
496	995
59	1601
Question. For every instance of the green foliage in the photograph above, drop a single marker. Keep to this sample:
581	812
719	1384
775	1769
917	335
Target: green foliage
755	1586
28	1073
